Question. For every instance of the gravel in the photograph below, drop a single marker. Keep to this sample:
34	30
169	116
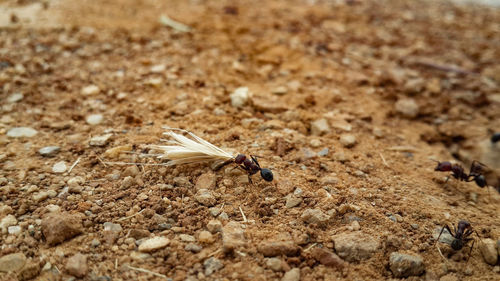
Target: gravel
94	119
316	216
59	227
407	107
12	262
59	167
77	265
292	275
49	151
20	132
348	140
233	236
278	248
239	97
153	244
404	265
212	265
100	140
319	127
488	249
355	246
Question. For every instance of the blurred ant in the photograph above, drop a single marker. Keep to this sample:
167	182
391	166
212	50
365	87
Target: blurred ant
495	138
460	236
251	166
458	172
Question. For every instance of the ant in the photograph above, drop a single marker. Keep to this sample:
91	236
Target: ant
458	172
251	166
460	236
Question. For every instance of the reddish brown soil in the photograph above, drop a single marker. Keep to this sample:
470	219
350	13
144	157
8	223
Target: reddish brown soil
345	61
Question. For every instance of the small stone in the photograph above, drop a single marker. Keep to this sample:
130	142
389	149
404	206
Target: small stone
205	237
407	107
314	216
90	90
14	229
404	265
77	265
233	236
159	68
131	171
293	201
320	127
278	248
342	125
138	256
59	227
49	151
323	152
445	235
315	143
154	82
192	247
59	167
15	97
29	271
214	226
239	97
113	227
205	197
280	90
212	265
7	221
206	181
348	140
187	238
489	251
12	262
100	140
327	257
153	244
138	233
94	119
355	246
20	132
292	275
274	264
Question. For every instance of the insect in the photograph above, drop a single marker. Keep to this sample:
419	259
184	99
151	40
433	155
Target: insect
251	166
185	150
460	236
495	138
458	172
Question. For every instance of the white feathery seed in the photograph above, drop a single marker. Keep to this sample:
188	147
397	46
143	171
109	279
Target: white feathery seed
183	150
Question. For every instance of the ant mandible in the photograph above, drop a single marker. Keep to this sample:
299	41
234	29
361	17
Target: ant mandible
460	236
458	172
251	166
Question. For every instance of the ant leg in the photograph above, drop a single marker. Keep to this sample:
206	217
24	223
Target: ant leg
470	252
442	229
254	158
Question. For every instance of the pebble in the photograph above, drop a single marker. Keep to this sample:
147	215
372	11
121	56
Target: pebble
274	264
192	247
205	237
20	132
59	227
239	97
113	227
131	171
314	216
327	258
77	265
488	249
212	265
138	256
445	236
12	262
15	97
205	197
319	127
100	140
7	221
404	265
90	90
233	236
187	238
94	119
49	151
206	181
315	143
292	275
348	140
407	107
14	229
59	167
355	246
323	152
278	248
214	226
293	201
153	244
280	90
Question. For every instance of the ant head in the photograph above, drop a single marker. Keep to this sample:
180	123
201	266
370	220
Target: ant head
495	138
480	181
266	174
443	166
457	244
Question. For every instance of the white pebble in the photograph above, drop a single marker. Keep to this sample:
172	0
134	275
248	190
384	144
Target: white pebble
90	90
94	119
20	132
15	229
15	97
407	107
59	167
239	97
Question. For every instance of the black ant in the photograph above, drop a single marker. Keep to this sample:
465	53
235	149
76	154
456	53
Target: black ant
495	138
251	166
460	236
458	172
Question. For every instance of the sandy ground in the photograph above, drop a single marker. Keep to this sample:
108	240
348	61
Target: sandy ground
348	103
